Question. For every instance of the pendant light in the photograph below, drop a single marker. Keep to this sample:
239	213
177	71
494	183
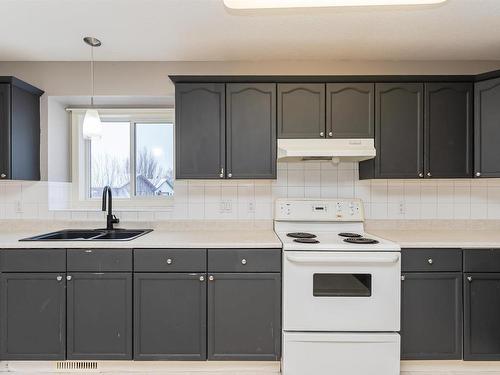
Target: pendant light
92	126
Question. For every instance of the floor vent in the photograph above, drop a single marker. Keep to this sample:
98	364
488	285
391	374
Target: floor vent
76	365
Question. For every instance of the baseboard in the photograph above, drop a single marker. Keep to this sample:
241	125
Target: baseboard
146	367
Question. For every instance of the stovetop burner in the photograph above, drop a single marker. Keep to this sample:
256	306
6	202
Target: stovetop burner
361	240
306	240
350	235
301	235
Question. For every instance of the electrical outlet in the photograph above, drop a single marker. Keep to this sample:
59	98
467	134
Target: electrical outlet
401	208
19	207
251	207
226	207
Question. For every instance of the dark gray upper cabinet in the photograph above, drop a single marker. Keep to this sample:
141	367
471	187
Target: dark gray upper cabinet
170	316
200	130
301	110
19	130
448	130
244	316
251	130
431	315
99	316
399	130
33	316
350	110
487	129
481	312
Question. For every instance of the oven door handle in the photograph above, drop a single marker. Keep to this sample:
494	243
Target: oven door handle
342	259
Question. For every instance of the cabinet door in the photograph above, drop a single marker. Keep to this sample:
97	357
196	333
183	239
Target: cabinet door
448	130
99	316
431	316
301	110
5	133
350	110
251	130
33	316
399	130
199	131
486	129
170	314
244	316
481	316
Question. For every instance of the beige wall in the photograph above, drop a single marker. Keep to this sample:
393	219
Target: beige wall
151	78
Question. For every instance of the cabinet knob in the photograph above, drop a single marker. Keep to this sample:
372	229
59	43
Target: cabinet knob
430	261
243	261
469	278
169	261
211	278
330	134
429	174
420	175
322	134
478	174
221	175
202	278
229	175
59	278
68	277
402	278
3	175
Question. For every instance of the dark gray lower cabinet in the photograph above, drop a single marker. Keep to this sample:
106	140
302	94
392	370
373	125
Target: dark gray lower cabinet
431	315
170	316
99	316
482	316
33	316
244	311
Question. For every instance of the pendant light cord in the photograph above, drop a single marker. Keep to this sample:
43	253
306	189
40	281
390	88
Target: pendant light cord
92	74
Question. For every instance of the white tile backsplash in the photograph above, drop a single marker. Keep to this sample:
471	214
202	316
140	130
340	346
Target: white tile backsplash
253	200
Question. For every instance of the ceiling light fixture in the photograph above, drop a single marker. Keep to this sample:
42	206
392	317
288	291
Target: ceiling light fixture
270	4
92	126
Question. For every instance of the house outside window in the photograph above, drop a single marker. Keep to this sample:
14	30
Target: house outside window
134	155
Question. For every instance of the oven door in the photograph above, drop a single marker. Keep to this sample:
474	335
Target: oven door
339	291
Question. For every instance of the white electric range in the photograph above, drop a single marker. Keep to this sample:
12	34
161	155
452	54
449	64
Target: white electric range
341	291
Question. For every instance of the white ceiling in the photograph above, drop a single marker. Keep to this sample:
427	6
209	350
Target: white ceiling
202	30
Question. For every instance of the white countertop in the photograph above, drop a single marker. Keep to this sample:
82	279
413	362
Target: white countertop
448	238
157	239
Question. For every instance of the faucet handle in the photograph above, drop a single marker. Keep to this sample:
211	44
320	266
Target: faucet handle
115	220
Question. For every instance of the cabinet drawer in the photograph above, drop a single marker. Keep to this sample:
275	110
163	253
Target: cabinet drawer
482	260
100	260
170	260
33	260
244	260
431	260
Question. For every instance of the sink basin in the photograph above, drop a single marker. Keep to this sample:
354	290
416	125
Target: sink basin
90	235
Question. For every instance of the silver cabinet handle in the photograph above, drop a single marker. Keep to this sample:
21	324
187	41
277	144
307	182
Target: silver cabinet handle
478	174
420	175
169	261
402	278
202	278
243	261
321	134
229	175
59	278
221	175
469	278
211	278
330	134
68	277
429	174
3	175
430	261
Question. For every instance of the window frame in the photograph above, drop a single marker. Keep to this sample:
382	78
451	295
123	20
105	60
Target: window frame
80	155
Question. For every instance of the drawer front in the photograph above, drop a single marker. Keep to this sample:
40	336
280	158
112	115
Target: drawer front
33	260
100	260
431	260
244	260
170	260
482	260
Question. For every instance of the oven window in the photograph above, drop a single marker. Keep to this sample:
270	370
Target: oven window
342	285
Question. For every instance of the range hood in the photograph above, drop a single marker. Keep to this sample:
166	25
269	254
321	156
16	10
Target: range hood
335	150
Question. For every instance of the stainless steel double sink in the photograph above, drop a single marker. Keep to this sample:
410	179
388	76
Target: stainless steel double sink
90	235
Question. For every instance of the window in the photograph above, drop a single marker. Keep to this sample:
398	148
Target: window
134	155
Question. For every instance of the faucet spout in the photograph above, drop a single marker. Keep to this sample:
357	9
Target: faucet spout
107	205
